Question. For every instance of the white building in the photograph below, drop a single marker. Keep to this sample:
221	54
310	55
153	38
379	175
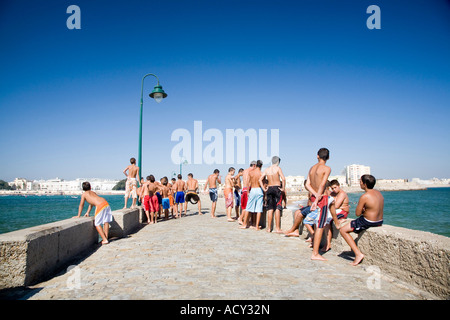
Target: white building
58	185
295	183
354	172
341	179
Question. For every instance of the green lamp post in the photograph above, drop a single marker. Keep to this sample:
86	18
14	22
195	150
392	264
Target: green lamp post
158	94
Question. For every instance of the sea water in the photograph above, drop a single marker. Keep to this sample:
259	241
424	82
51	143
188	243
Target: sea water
19	212
425	210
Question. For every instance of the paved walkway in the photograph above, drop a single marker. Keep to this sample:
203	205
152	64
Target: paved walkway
198	257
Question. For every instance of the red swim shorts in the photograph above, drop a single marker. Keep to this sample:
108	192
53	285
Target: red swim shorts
244	198
151	203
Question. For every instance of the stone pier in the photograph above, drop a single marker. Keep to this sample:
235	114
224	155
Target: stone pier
199	257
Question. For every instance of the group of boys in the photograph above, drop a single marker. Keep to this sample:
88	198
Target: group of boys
258	191
327	205
327	202
258	187
159	196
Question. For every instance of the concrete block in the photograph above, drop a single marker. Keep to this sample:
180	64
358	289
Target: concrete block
30	255
125	222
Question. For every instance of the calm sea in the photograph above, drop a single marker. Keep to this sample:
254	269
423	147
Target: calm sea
424	210
19	212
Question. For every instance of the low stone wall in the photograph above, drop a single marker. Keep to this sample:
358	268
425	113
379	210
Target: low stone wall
415	257
125	222
30	255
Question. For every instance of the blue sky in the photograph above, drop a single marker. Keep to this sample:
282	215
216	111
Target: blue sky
69	99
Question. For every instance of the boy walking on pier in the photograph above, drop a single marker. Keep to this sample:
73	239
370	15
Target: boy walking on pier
102	211
370	213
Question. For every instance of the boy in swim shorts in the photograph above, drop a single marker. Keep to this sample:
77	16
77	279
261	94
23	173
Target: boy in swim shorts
212	181
103	214
165	191
256	197
228	192
131	183
191	193
180	187
370	212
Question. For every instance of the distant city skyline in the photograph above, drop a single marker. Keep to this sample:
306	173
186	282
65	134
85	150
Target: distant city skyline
314	71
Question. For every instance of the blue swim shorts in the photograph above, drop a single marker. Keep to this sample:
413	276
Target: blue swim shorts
180	197
237	198
213	195
166	203
255	200
311	216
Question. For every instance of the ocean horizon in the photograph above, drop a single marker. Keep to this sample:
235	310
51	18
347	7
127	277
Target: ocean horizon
413	209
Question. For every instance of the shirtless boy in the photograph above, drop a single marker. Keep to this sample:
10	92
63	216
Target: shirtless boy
370	213
237	192
273	192
173	193
165	192
245	190
180	186
102	211
213	195
341	207
131	183
192	193
315	183
139	190
341	201
228	192
256	197
151	205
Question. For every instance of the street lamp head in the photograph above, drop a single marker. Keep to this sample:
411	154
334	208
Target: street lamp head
158	93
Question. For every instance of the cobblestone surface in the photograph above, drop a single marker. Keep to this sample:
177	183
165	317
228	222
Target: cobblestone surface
198	257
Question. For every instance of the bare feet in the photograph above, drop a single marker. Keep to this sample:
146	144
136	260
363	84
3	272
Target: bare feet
318	257
357	260
292	234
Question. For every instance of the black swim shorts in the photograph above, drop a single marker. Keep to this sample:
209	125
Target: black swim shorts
274	198
362	223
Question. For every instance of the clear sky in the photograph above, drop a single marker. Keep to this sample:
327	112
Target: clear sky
69	99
